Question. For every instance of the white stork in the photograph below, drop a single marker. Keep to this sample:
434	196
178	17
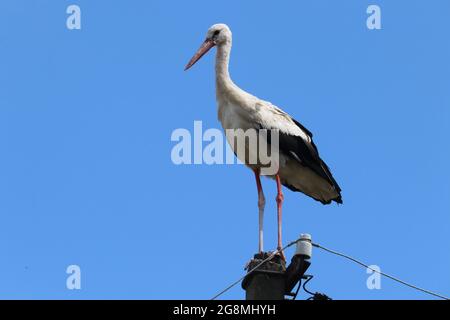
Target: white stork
300	167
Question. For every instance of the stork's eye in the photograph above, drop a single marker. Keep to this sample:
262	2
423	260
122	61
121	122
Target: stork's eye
216	33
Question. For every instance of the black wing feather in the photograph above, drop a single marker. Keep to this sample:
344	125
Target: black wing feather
306	152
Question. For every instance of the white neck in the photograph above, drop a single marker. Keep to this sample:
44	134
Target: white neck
223	79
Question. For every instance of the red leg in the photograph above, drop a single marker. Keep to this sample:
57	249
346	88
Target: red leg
261	204
279	199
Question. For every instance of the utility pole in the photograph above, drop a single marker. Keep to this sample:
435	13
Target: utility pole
272	280
267	282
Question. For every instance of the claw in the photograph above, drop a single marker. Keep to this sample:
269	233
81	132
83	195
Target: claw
281	254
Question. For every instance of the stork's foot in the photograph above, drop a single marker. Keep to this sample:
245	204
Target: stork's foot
281	254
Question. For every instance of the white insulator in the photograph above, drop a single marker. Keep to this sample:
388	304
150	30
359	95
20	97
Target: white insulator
304	246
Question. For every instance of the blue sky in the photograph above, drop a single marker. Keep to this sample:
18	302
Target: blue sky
86	118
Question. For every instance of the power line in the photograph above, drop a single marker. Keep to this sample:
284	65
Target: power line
274	253
381	273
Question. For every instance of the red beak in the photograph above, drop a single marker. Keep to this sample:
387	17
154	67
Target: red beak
204	48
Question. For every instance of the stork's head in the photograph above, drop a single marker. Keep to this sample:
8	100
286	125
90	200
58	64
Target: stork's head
217	35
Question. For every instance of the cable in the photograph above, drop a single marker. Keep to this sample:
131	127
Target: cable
379	272
298	289
314	296
250	271
309	277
